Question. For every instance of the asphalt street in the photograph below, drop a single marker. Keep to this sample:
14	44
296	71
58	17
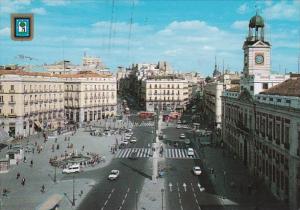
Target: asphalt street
123	192
182	187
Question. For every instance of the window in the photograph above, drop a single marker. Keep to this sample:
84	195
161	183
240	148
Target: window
265	86
12	111
278	100
12	87
11	98
1	98
288	101
271	99
251	88
0	87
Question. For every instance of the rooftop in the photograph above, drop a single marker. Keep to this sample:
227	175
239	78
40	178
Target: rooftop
290	87
82	74
235	88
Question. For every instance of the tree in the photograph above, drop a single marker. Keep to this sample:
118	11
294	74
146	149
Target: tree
208	79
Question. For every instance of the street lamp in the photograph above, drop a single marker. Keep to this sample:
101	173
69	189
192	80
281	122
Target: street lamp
73	200
162	198
136	200
224	173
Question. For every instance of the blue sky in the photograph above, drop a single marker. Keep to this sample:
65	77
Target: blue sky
187	34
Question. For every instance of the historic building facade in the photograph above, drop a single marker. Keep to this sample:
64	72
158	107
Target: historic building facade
89	96
261	119
165	93
30	102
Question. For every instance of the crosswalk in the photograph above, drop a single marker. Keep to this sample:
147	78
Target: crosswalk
146	153
143	124
179	154
141	152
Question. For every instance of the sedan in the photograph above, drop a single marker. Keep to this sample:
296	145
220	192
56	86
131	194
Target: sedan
114	174
197	170
182	136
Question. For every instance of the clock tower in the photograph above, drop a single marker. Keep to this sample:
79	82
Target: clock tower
256	49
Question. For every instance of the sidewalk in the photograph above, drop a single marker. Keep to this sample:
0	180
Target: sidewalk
235	183
28	197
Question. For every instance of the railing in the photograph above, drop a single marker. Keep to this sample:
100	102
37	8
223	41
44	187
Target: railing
12	102
12	91
1	102
12	115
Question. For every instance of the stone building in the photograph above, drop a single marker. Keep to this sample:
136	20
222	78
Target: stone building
261	119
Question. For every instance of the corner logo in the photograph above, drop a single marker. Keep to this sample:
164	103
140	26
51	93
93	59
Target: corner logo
22	27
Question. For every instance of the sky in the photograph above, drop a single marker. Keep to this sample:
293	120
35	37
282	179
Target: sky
187	34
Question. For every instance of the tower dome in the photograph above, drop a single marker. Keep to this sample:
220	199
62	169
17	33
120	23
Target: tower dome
256	22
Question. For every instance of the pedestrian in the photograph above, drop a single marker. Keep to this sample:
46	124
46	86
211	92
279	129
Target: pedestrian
33	150
24	159
23	181
43	188
57	146
18	175
31	163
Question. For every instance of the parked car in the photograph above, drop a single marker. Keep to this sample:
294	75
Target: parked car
72	169
178	126
124	142
190	152
182	136
197	170
133	140
114	174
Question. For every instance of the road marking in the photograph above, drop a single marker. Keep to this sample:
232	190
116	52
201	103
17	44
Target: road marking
195	196
109	196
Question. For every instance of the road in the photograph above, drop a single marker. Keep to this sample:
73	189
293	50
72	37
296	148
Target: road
184	192
121	193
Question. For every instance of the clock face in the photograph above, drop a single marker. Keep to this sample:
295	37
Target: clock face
259	59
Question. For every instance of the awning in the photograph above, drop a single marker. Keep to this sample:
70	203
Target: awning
38	124
51	202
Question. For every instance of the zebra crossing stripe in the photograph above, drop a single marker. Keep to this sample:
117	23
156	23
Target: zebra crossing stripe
185	153
140	153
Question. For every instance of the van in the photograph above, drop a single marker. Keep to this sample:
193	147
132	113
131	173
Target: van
72	169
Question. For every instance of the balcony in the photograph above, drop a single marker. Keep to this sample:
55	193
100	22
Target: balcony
287	146
1	103
11	102
12	91
12	115
36	102
26	103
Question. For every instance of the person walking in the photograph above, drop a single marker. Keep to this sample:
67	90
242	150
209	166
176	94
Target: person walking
18	175
31	163
23	181
43	188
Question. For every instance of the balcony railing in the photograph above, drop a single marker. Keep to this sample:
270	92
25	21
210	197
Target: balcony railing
1	103
12	91
12	115
26	103
287	146
12	102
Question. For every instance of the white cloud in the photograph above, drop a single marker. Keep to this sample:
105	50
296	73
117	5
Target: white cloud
240	24
39	11
242	9
10	6
283	10
5	31
56	2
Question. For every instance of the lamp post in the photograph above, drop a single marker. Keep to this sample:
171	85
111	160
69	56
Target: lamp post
54	179
136	200
162	198
224	173
73	200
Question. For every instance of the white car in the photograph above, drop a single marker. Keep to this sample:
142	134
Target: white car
133	140
114	174
190	152
125	142
182	136
197	170
127	138
185	127
178	126
72	169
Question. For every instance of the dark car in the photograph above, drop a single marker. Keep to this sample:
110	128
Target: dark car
133	156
